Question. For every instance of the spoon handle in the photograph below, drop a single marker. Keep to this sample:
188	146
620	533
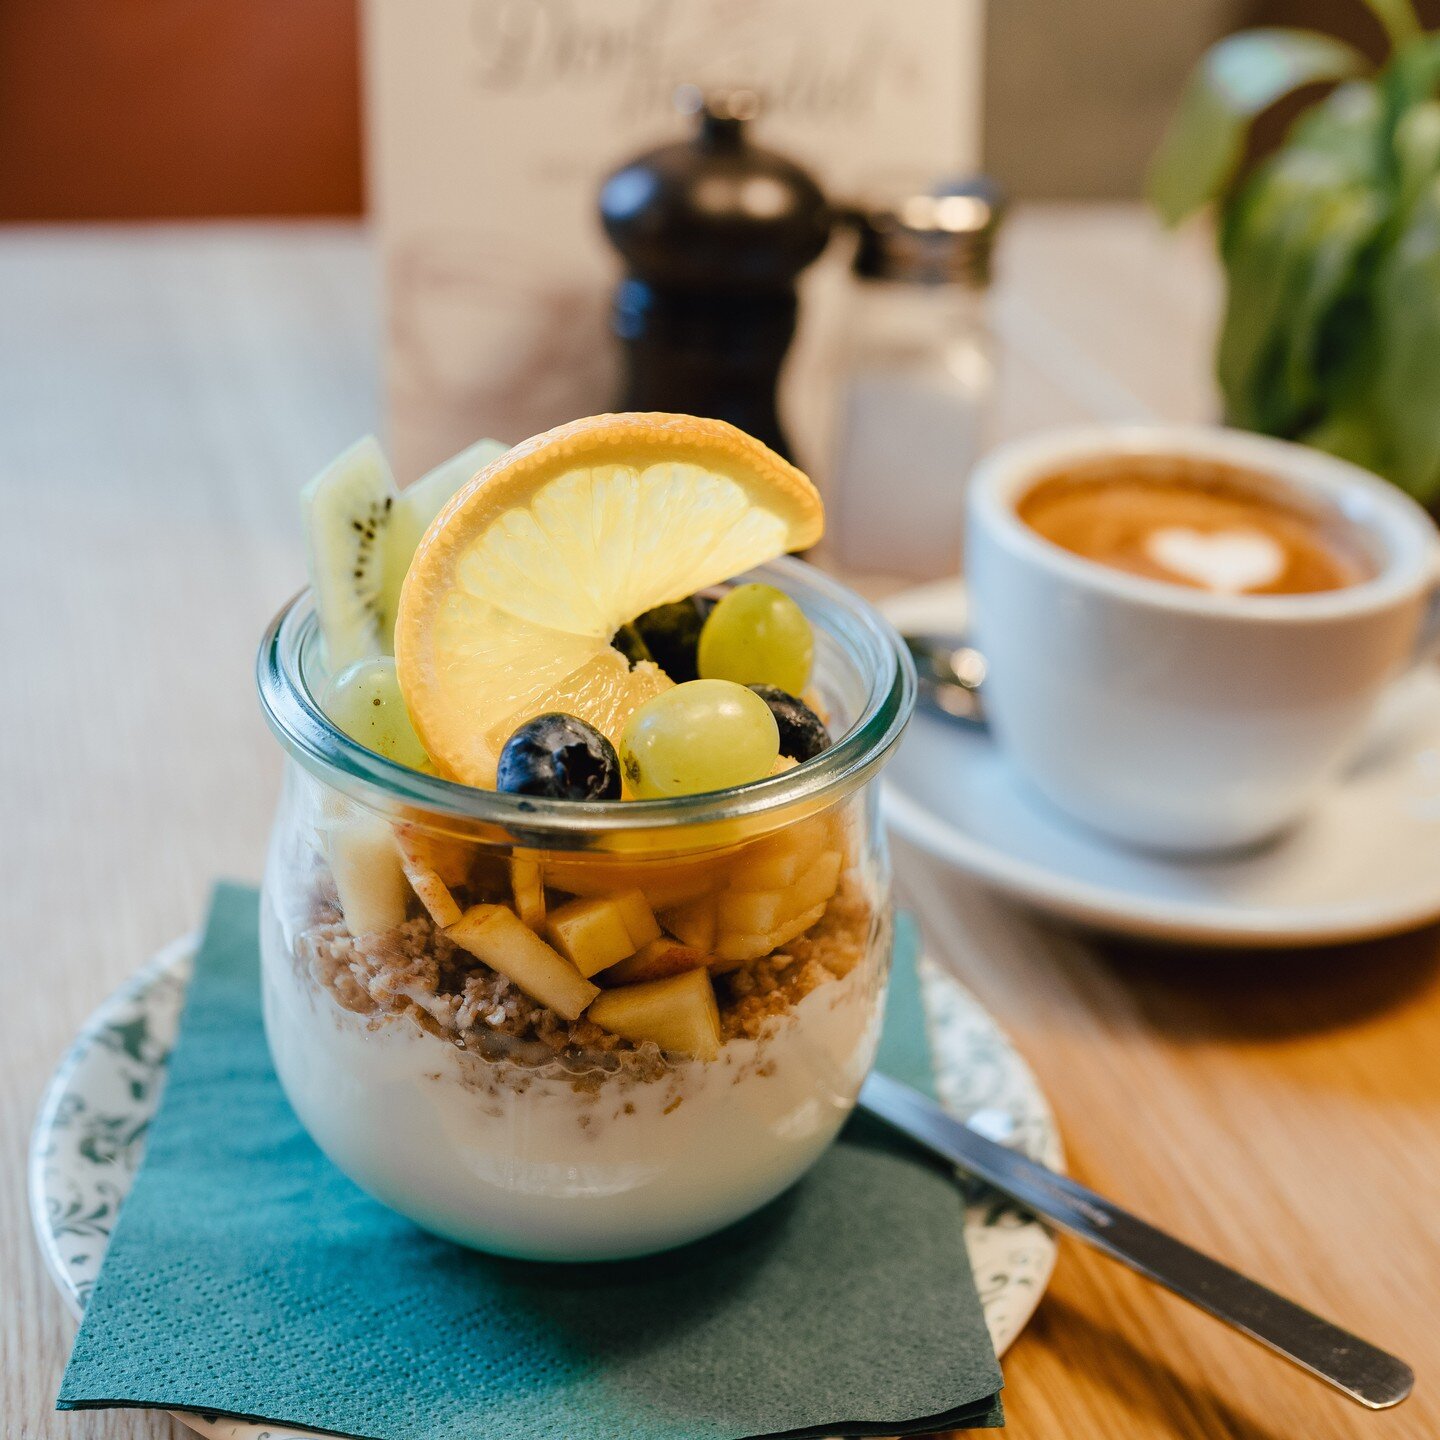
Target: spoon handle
1360	1370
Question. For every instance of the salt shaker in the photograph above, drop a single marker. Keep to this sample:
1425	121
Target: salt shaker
916	380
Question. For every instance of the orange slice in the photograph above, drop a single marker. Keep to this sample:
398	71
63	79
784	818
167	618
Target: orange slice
518	586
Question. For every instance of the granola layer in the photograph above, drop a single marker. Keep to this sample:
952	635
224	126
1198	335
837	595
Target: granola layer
416	972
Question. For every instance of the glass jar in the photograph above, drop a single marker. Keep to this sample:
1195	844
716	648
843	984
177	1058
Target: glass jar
917	381
450	1094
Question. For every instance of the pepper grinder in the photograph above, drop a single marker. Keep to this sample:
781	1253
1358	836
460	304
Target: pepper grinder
714	232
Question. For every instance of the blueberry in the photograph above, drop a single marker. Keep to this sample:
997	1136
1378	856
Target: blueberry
671	633
802	733
561	758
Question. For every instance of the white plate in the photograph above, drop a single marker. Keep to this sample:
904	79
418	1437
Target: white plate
1364	862
90	1137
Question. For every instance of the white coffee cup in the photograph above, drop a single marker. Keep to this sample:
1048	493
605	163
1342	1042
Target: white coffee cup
1174	718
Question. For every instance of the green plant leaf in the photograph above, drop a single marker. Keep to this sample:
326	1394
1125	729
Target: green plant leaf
1297	243
1399	19
1417	153
1411	77
1350	432
1345	227
1238	78
1406	391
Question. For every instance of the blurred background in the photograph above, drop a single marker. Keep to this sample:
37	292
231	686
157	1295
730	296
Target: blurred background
141	109
383	216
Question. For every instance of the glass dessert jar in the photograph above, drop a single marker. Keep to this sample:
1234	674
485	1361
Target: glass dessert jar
450	974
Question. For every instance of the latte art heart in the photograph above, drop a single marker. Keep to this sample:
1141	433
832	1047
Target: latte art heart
1183	520
1229	562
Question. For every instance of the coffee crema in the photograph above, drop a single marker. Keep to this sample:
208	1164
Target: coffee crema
1196	522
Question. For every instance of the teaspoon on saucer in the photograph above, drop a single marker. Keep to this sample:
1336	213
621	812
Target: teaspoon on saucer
949	673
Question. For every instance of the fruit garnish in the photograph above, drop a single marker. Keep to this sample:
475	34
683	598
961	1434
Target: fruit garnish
773	890
704	735
415	511
671	635
657	960
360	533
366	867
434	894
757	635
516	590
364	701
802	733
527	887
561	758
452	860
597	932
678	1014
347	510
496	935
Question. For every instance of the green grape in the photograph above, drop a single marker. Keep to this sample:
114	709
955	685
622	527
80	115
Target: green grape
703	735
364	700
757	635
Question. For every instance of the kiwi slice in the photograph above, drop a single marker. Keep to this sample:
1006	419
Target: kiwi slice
414	513
360	536
349	510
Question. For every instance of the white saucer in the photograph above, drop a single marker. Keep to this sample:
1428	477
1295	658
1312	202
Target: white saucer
1364	862
89	1139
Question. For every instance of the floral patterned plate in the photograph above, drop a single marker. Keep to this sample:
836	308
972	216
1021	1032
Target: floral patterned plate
90	1137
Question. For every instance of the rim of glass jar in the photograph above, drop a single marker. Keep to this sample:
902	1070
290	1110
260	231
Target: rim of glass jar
302	728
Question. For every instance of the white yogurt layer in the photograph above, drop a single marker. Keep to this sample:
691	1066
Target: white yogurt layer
541	1171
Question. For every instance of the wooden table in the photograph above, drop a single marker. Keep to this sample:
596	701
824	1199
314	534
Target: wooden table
162	396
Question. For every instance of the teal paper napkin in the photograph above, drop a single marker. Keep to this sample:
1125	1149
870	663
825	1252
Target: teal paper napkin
248	1277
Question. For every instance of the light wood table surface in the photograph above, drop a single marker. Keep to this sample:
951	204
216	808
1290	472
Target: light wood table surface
163	393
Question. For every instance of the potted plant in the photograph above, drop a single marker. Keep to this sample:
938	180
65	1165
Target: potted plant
1331	245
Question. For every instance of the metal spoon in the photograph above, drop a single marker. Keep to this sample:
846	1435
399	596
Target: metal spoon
1364	1372
949	672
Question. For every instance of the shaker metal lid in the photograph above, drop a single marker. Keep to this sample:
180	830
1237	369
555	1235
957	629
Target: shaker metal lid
941	236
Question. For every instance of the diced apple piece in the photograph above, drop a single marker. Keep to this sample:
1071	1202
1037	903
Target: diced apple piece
663	882
655	961
817	884
529	891
590	933
367	873
638	917
450	859
693	923
797	926
679	1014
734	949
496	935
778	860
753	912
434	894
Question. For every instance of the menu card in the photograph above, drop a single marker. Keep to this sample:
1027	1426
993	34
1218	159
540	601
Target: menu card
492	122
